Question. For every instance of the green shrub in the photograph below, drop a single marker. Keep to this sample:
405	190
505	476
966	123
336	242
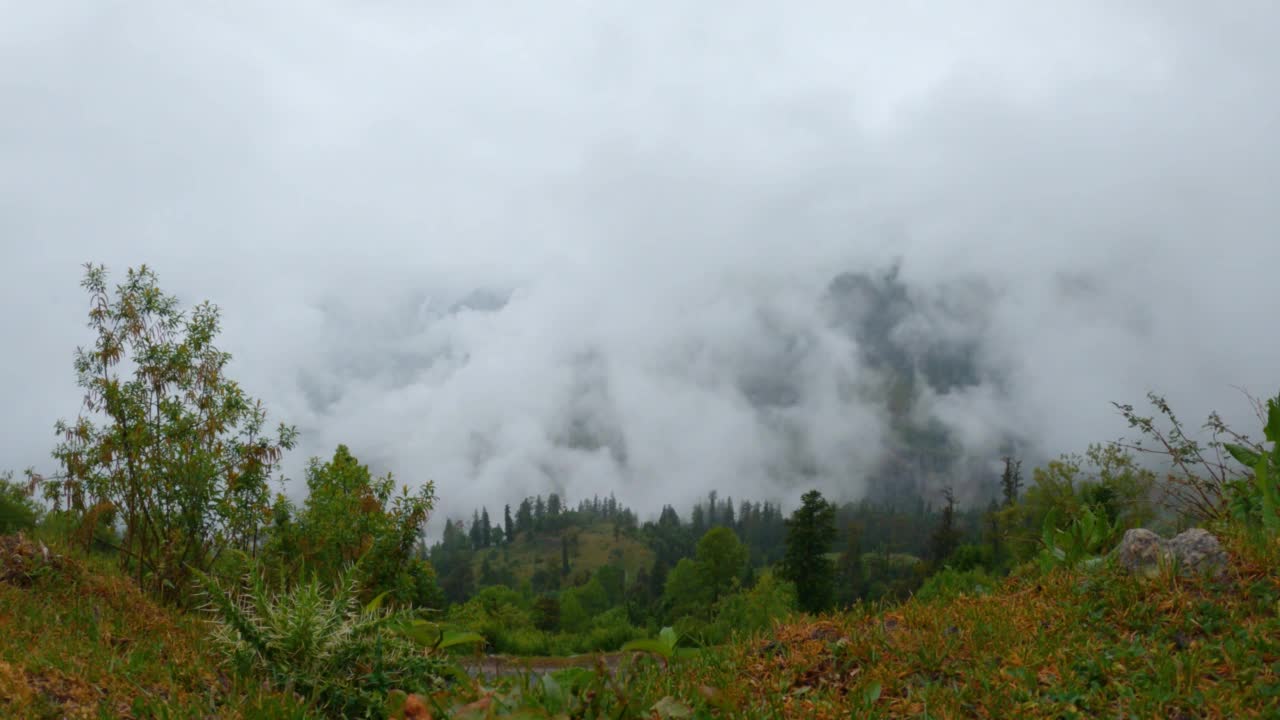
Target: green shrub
18	511
1256	500
523	641
350	516
970	557
753	610
166	438
611	630
1088	535
951	583
321	643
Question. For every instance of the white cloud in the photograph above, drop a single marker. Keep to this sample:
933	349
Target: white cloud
667	189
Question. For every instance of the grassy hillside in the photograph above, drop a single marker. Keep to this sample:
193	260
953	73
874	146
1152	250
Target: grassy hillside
81	641
78	640
589	549
1071	644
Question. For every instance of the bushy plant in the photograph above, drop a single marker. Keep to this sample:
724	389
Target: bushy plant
751	611
18	511
321	642
609	631
351	516
1087	535
494	612
523	641
971	557
1256	500
952	582
1106	483
1200	480
183	455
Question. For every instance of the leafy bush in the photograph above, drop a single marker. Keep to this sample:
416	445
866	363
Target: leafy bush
1256	500
971	557
610	630
1086	536
523	641
350	516
183	455
751	611
321	643
17	509
951	582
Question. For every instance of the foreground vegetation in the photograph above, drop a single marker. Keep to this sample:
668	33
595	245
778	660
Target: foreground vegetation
1072	643
81	641
155	575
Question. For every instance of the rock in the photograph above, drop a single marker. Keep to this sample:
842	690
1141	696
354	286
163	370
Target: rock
1198	552
1141	552
1194	552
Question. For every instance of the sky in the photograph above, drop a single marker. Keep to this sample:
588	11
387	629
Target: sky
523	247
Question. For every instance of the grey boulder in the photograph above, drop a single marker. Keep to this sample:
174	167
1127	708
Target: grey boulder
1193	552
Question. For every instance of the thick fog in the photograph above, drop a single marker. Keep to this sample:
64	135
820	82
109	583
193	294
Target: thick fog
657	248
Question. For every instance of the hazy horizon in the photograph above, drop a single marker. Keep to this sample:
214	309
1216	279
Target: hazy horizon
590	250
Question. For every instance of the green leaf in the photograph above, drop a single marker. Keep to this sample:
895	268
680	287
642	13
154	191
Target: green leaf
1242	454
649	645
664	645
452	638
375	603
1048	529
871	694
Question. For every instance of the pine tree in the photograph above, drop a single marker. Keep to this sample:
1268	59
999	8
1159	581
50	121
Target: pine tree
946	537
539	513
524	517
486	529
669	518
474	533
508	525
810	532
1011	480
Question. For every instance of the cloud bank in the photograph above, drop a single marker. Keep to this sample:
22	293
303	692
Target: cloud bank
601	248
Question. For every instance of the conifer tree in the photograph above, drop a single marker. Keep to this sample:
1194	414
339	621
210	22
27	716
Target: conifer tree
1011	480
475	532
810	532
946	537
524	516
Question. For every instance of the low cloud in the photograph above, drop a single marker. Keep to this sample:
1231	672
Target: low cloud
652	251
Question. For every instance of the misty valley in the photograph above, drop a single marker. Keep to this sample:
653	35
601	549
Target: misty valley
157	562
409	360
